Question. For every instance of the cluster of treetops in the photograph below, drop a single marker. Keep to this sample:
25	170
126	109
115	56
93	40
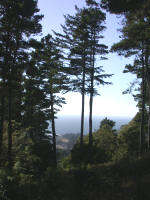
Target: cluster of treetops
35	74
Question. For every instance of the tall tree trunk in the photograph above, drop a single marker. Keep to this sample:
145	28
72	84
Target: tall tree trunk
10	97
2	121
53	129
82	109
148	142
90	113
10	100
10	125
148	92
149	126
91	91
2	114
143	91
3	101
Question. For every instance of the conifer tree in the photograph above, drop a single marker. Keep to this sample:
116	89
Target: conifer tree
75	40
135	41
35	104
94	19
82	43
18	21
53	72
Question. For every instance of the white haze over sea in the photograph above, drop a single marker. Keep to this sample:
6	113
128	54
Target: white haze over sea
71	124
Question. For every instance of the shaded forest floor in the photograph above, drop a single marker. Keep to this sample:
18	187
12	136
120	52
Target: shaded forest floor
124	180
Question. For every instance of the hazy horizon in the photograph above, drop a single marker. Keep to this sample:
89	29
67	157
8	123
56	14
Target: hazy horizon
71	123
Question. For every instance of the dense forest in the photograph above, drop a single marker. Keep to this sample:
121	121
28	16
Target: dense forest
35	73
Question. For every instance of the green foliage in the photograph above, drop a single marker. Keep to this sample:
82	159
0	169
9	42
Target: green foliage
85	173
135	41
43	150
82	156
103	149
24	160
107	122
32	76
3	188
121	6
105	181
128	139
105	138
108	145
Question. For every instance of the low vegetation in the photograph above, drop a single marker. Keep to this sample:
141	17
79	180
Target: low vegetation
110	170
34	74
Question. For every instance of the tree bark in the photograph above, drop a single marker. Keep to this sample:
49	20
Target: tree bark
2	121
53	130
82	109
149	126
148	93
3	99
90	113
148	142
10	126
91	91
143	91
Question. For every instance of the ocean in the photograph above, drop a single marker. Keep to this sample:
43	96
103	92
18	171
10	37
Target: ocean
71	124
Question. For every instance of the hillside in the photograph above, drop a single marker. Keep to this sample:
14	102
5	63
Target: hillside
66	141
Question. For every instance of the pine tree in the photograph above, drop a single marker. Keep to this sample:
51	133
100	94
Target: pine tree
18	21
121	6
75	40
135	41
79	39
35	103
53	72
94	19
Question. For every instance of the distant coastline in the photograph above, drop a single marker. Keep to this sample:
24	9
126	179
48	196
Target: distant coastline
71	124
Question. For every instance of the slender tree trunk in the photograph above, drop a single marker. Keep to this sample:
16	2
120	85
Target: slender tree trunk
149	126
2	114
90	113
143	90
142	134
91	93
10	100
53	129
82	121
3	101
82	109
2	121
148	143
148	92
10	125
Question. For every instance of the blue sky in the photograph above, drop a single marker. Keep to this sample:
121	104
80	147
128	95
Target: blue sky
111	102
